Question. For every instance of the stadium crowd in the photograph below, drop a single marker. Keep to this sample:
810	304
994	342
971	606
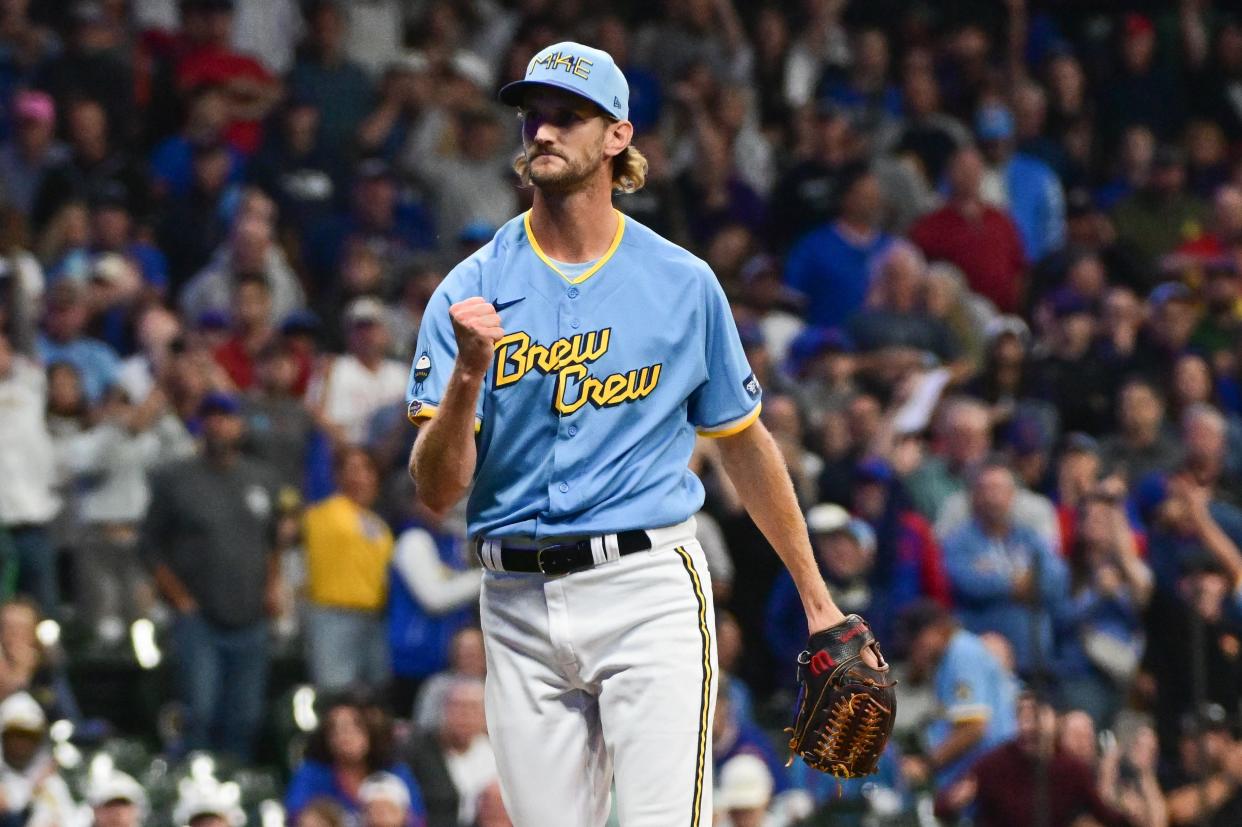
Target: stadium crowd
985	259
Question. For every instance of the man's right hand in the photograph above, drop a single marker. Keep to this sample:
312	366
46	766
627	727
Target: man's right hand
476	324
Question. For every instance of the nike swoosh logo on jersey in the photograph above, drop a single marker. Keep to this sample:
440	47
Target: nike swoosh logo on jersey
499	305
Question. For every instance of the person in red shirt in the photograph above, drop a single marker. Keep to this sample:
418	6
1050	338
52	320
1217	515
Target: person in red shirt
1003	787
252	329
981	240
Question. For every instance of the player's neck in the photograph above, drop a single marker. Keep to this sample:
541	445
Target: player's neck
576	227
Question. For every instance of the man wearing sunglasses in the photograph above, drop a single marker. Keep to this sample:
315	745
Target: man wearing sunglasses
560	377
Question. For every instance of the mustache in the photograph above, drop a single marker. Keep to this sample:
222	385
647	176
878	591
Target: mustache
530	156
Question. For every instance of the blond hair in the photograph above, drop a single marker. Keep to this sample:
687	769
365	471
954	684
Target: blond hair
629	170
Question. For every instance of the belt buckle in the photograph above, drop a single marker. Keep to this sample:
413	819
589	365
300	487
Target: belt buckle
554	550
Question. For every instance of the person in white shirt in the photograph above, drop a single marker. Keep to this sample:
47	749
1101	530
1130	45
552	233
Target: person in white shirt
454	764
29	781
352	388
28	500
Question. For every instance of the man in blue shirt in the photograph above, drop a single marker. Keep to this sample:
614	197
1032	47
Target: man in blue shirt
64	340
560	376
831	266
1003	574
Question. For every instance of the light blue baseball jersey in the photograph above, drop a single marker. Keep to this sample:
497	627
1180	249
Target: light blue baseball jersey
970	685
587	417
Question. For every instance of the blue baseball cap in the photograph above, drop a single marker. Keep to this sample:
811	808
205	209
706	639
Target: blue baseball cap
587	72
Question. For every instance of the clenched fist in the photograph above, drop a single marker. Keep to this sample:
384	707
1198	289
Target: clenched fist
476	324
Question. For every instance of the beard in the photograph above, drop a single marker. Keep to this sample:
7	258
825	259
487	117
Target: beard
569	176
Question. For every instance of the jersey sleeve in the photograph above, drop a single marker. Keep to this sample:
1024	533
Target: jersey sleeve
434	356
729	399
962	686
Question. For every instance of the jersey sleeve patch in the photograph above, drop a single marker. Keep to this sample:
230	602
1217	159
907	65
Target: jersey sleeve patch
751	385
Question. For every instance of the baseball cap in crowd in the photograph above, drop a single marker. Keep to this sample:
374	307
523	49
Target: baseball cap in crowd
873	469
384	786
21	713
586	72
994	122
115	786
829	518
300	322
364	310
1150	493
33	105
1170	291
109	193
1077	442
1010	325
208	797
816	341
1028	433
218	402
1066	302
212	320
745	783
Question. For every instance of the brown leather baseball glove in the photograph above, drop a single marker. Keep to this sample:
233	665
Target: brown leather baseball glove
845	706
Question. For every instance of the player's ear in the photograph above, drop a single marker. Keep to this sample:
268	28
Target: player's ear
617	137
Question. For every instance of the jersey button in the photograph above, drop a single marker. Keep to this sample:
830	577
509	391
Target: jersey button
573	430
574	323
563	487
572	292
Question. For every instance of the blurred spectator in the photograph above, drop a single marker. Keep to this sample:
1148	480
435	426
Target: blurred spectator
173	160
30	666
26	453
1128	780
1204	782
974	694
34	793
829	266
321	812
433	590
64	339
962	431
95	158
296	170
733	737
328	80
351	388
454	763
892	331
92	66
348	548
381	216
1141	445
116	800
1160	216
205	802
975	236
928	135
1001	379
845	551
744	790
352	742
475	182
278	426
466	659
1070	374
253	329
195	222
385	801
1172	317
1005	577
1221	325
1003	785
209	537
27	157
108	461
1194	622
1144	91
808	194
251	251
1022	184
1101	637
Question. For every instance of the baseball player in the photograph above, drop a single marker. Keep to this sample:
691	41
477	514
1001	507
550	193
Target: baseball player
561	375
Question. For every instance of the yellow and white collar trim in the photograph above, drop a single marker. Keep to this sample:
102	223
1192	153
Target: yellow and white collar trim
612	248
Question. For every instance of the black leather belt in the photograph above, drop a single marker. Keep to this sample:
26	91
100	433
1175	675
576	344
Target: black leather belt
561	558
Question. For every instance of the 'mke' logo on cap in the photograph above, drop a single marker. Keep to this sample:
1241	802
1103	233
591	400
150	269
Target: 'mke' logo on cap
579	66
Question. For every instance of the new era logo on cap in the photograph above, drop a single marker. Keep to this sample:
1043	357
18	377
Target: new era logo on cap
585	71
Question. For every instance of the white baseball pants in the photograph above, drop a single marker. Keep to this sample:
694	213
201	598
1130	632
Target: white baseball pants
605	675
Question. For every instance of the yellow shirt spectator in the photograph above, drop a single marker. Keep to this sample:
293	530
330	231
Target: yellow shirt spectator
348	548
